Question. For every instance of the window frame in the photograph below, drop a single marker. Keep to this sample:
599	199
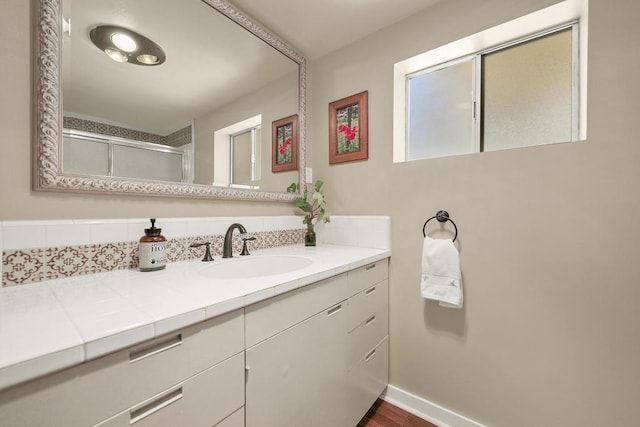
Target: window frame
475	99
254	145
537	24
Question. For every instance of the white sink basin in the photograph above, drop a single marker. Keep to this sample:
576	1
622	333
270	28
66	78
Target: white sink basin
255	266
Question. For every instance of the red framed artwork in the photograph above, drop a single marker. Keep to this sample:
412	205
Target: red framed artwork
348	129
284	140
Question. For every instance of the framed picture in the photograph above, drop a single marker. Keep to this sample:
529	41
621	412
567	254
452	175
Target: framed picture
348	129
284	137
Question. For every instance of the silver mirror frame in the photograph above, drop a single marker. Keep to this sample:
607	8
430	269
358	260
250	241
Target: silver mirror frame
47	135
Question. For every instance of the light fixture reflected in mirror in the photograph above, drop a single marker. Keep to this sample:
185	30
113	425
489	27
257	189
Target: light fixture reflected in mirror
124	45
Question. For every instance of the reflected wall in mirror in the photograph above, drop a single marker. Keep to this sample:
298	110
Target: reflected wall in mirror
178	128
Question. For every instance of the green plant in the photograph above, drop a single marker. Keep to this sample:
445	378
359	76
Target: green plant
312	202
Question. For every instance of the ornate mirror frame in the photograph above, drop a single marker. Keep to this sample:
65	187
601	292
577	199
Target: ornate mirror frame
47	142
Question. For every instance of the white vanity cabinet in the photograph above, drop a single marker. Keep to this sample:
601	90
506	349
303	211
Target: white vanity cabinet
318	356
313	356
368	341
295	376
368	327
178	376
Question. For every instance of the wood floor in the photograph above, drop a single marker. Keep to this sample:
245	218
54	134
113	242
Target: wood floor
384	414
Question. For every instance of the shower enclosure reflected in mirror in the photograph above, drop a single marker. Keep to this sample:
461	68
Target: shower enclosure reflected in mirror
129	126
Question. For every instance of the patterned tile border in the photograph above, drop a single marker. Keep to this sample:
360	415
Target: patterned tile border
23	266
179	138
175	139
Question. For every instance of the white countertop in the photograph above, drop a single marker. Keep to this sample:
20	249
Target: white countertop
52	325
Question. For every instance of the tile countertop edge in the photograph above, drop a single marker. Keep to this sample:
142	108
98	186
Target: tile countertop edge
40	366
59	359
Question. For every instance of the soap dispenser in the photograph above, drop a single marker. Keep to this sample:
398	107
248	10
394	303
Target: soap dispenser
152	249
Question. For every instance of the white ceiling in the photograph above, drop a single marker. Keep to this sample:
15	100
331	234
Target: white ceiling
317	27
210	60
204	69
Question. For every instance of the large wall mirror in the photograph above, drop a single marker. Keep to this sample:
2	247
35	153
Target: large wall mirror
185	110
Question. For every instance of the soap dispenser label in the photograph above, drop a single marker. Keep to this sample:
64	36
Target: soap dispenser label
152	255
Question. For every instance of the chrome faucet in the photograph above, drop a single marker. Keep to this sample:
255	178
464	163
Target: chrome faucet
227	249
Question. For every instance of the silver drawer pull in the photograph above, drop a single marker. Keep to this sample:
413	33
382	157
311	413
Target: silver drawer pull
137	414
371	320
155	347
370	267
370	291
370	355
334	310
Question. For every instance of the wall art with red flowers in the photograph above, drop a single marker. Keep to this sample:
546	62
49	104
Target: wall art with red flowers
348	129
284	137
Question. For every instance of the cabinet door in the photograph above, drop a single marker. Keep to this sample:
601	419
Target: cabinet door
299	376
267	318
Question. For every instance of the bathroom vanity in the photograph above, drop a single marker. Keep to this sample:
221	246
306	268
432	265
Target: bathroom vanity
318	355
305	347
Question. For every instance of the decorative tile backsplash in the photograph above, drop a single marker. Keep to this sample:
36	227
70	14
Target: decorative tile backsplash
22	266
33	251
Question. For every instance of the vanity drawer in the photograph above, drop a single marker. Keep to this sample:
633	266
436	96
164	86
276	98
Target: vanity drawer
367	380
364	304
170	359
203	400
367	335
267	318
368	275
108	385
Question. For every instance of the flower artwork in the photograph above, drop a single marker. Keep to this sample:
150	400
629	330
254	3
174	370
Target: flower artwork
348	129
347	135
284	156
284	144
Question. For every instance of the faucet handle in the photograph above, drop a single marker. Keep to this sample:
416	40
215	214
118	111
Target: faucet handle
245	251
207	253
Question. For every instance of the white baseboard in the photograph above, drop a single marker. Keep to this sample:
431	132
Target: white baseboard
425	409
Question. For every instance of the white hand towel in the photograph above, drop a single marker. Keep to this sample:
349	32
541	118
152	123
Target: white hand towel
441	277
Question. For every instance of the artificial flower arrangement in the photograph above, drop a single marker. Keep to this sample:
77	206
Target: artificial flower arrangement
313	205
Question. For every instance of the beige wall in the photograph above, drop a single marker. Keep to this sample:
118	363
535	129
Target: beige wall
18	201
549	235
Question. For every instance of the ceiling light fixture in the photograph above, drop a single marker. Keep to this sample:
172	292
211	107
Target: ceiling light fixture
124	45
116	55
147	59
124	42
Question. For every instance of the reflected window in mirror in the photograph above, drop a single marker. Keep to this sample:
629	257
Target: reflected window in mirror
246	158
236	154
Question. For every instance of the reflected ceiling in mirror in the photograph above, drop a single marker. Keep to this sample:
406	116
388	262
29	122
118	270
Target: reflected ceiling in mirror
220	69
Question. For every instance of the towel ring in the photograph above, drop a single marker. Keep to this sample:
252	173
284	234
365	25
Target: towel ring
441	216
